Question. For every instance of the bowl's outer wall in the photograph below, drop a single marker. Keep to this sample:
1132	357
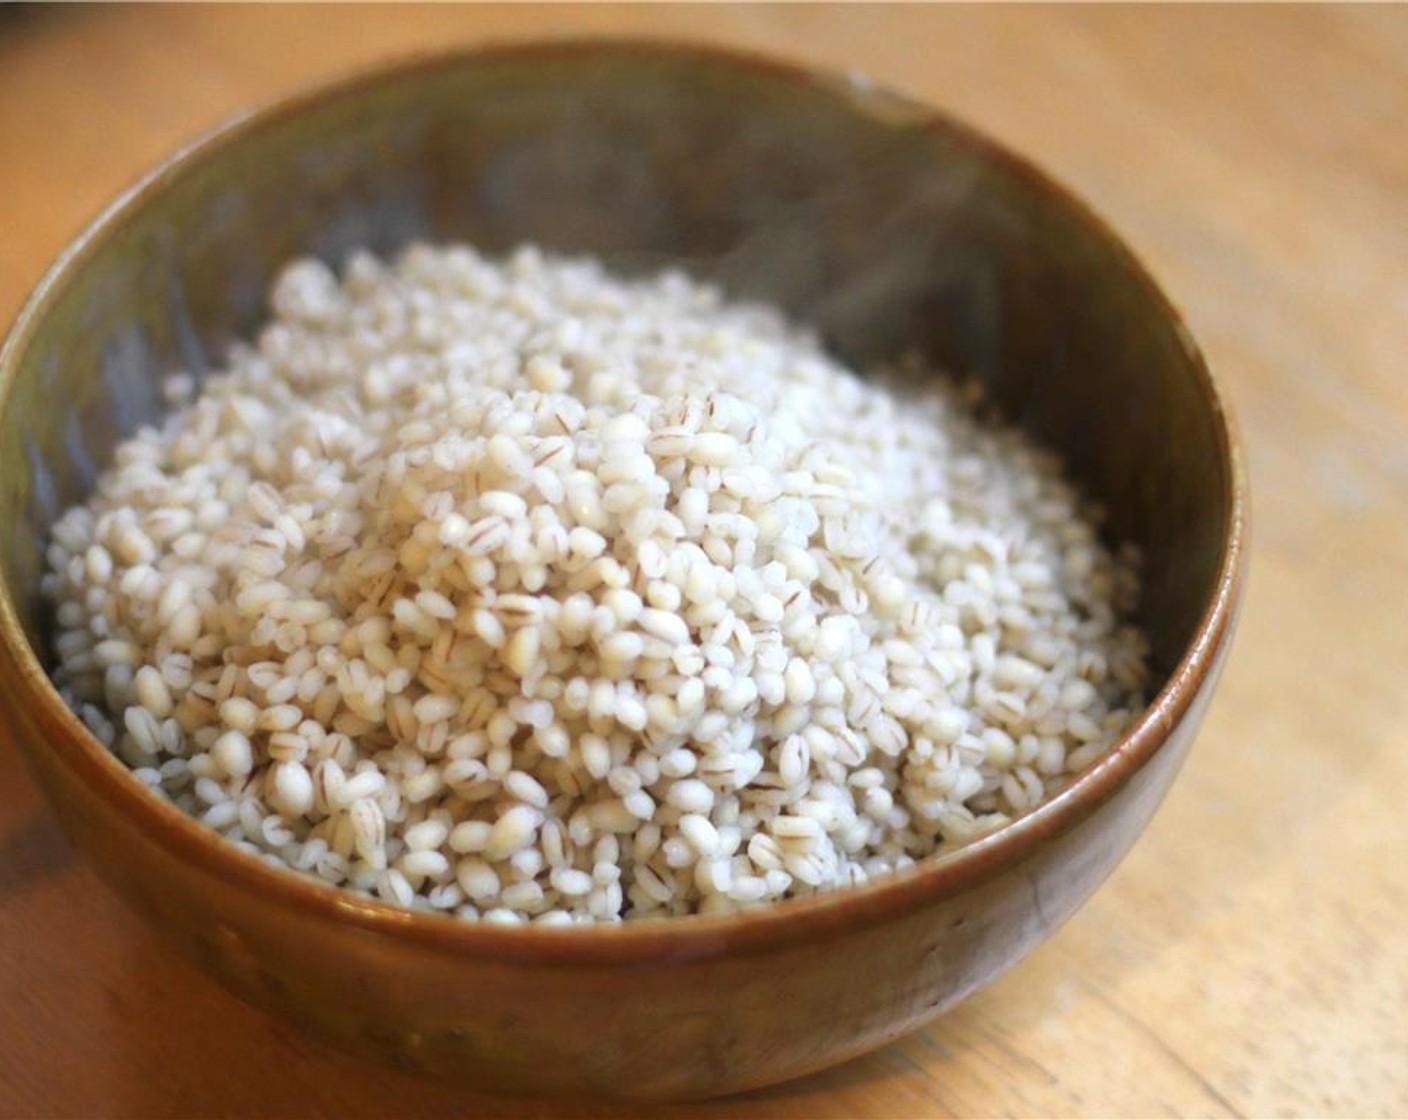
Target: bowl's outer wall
888	231
667	1028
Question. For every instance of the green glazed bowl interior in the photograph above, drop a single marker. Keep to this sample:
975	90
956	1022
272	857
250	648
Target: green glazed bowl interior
887	227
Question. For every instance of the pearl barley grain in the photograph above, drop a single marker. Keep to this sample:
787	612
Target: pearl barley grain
517	590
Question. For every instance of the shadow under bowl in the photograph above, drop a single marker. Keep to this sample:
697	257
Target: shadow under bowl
888	227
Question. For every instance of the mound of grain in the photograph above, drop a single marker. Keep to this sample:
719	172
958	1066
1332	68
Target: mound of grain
523	592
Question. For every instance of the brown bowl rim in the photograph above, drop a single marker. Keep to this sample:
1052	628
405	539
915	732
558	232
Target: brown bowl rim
27	686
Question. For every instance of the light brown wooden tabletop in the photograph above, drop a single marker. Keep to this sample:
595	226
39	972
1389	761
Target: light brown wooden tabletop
1251	956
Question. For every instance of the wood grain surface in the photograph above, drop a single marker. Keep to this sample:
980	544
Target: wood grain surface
1251	956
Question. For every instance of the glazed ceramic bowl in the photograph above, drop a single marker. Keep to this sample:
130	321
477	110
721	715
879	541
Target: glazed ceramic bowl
887	226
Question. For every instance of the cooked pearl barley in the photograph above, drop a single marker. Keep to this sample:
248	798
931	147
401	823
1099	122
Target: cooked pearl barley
518	591
233	753
290	789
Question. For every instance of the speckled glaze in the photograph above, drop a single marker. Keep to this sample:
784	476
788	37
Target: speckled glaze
887	226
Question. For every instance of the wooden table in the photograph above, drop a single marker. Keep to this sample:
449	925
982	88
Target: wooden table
1251	956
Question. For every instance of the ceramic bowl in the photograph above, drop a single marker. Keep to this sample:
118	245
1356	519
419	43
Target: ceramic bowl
886	225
